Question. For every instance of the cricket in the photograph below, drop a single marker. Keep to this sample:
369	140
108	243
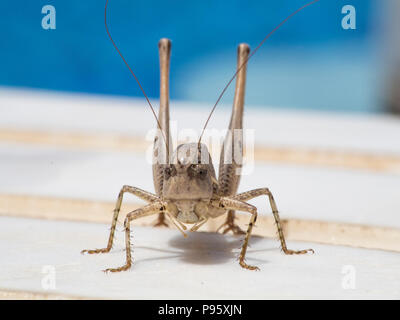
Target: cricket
187	191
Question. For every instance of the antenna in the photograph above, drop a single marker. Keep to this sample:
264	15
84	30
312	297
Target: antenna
137	80
244	63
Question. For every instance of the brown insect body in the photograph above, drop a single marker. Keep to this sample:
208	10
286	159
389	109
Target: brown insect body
189	187
187	190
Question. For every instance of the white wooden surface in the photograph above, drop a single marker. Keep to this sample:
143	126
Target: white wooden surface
85	113
305	192
203	266
300	191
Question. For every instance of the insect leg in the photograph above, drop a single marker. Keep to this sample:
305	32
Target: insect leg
164	48
234	204
177	224
230	224
232	151
199	224
147	210
144	195
245	196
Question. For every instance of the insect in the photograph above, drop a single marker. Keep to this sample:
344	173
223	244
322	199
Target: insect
186	189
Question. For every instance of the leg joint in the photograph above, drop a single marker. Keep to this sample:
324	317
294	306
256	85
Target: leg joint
126	188
265	191
253	210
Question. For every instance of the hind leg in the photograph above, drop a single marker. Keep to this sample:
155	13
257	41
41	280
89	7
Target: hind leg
161	221
231	158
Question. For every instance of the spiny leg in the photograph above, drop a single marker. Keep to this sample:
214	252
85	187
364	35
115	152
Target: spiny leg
230	224
245	196
231	158
177	224
233	204
147	210
199	224
164	48
144	195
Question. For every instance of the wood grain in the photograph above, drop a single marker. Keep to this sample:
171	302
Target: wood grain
333	233
6	294
121	143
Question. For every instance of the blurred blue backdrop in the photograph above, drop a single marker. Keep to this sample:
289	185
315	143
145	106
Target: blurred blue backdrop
311	62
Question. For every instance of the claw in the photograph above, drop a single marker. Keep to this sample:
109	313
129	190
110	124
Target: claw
288	251
123	268
103	250
244	265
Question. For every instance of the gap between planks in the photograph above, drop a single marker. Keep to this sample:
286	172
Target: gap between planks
6	294
122	143
333	233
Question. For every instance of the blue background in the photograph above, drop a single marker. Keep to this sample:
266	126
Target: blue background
311	62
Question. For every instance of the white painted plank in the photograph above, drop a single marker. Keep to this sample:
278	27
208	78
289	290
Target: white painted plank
203	266
273	127
301	192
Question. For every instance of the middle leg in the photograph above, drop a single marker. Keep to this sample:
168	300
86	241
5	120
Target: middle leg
245	196
147	210
233	204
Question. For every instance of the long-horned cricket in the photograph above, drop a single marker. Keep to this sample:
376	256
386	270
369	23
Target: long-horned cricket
186	189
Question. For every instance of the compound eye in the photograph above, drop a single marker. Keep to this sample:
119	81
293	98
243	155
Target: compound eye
169	171
192	170
202	172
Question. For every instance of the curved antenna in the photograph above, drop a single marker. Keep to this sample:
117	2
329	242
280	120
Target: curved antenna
137	80
244	63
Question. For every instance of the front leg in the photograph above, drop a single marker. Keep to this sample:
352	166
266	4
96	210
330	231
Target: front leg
149	209
245	196
233	204
144	195
199	224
